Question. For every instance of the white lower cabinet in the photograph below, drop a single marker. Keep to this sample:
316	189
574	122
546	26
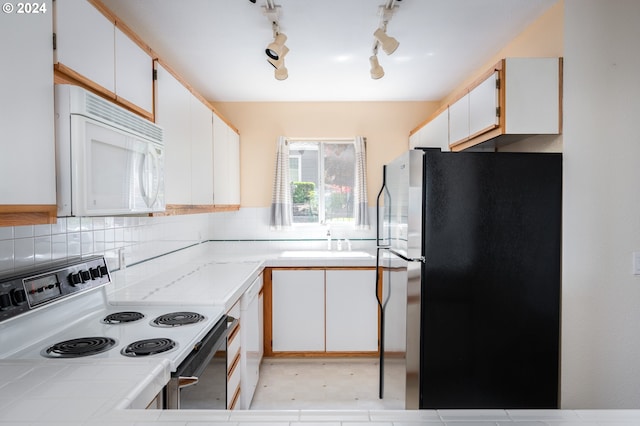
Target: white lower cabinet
252	340
234	364
324	310
352	310
298	310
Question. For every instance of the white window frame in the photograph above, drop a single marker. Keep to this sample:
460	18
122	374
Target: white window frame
321	203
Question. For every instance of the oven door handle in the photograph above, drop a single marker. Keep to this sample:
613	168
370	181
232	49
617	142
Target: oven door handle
185	382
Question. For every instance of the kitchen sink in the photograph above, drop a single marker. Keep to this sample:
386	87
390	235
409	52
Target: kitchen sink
320	254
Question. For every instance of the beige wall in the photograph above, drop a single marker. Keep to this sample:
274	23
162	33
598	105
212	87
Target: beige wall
386	125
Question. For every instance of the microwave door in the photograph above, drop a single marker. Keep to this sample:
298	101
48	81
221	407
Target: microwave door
102	162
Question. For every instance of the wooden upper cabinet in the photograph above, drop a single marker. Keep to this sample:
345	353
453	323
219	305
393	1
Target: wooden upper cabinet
93	52
27	149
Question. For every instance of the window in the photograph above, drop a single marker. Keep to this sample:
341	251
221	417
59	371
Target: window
322	181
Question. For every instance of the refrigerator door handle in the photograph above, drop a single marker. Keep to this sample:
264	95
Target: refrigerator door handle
383	189
408	259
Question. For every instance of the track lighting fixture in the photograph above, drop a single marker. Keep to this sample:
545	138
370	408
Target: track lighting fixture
381	39
276	50
376	70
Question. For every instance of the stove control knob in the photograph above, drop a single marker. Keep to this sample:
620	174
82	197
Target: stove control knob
75	279
5	301
86	276
18	296
95	273
103	270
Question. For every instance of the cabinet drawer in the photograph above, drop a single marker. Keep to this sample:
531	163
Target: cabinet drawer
233	381
233	344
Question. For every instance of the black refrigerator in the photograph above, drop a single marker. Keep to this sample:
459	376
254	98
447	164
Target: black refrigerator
469	249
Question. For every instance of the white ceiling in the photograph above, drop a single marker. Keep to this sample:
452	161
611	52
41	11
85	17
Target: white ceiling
218	45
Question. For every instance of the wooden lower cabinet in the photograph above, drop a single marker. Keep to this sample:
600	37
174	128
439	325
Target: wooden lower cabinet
320	312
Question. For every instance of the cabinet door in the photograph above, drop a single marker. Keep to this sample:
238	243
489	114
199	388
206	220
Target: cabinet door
436	132
234	167
416	138
85	42
459	120
226	163
483	104
172	113
201	153
352	310
27	151
134	72
298	310
532	95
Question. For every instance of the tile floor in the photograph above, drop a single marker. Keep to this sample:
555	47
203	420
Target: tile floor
323	383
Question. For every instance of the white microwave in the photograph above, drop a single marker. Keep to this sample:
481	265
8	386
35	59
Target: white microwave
109	161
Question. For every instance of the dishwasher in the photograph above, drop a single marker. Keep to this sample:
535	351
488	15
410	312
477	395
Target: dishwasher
251	339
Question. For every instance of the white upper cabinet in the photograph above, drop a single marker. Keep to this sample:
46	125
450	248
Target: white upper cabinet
518	97
85	42
226	164
532	95
133	72
459	119
476	112
434	134
188	138
483	106
172	113
201	153
27	151
91	49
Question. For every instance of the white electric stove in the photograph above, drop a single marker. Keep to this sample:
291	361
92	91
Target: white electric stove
61	312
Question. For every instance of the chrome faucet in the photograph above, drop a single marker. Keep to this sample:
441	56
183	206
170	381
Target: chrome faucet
328	238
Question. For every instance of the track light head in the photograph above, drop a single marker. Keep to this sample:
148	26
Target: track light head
389	44
376	70
276	63
281	73
276	47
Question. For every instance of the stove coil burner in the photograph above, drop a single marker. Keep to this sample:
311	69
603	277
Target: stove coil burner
122	317
176	319
83	346
149	347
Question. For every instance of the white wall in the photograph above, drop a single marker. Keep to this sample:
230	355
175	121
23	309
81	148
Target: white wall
601	297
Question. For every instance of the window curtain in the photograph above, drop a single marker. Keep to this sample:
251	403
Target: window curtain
360	204
281	202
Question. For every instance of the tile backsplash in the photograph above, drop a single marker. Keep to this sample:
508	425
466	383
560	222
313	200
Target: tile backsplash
140	238
133	238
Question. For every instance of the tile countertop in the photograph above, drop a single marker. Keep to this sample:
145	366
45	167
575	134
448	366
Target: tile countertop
92	392
215	273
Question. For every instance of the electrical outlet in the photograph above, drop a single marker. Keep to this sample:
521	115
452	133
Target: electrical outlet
636	263
121	260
